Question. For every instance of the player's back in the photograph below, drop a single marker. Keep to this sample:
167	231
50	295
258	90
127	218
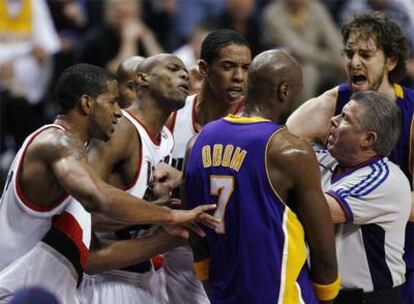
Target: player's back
259	254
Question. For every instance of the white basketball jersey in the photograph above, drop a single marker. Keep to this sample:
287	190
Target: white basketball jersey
152	153
183	129
57	261
22	223
138	283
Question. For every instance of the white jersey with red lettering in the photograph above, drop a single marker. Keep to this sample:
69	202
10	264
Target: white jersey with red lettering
56	262
22	223
141	282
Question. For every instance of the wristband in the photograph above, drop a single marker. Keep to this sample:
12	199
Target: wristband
327	292
202	269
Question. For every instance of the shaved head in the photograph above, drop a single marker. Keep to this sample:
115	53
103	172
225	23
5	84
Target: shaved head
275	77
270	69
149	63
128	67
126	80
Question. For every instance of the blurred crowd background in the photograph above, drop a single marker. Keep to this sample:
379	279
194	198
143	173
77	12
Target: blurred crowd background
40	38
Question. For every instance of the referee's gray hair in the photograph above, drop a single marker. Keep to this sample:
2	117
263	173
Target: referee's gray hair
382	116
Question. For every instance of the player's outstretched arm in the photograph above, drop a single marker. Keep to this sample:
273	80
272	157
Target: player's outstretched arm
78	179
120	254
297	163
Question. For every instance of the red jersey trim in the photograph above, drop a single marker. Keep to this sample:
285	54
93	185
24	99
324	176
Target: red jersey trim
154	140
68	225
240	107
171	122
19	190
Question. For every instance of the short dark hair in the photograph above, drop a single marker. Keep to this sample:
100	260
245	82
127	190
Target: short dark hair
380	115
77	80
387	35
217	40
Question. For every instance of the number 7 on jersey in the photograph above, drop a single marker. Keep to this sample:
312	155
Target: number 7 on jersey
223	187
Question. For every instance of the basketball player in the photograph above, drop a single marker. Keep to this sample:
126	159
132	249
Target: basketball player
266	184
369	198
225	58
127	160
51	165
376	52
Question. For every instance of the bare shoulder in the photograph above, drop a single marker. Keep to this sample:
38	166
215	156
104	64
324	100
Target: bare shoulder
311	119
289	152
54	144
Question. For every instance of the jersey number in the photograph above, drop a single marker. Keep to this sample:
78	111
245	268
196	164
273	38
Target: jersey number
223	187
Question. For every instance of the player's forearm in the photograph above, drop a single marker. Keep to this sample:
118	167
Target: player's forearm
125	208
411	219
322	250
125	253
320	235
101	223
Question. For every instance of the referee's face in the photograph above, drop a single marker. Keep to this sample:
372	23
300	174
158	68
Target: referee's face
346	137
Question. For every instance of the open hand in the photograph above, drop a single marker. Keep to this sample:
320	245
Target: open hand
197	214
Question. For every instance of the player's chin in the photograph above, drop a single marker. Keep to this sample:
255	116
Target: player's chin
232	98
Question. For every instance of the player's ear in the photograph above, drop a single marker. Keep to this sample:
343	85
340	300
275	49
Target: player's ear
203	68
142	79
283	91
391	63
86	104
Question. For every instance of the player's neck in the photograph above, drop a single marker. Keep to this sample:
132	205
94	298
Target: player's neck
387	88
77	127
261	111
209	107
152	117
